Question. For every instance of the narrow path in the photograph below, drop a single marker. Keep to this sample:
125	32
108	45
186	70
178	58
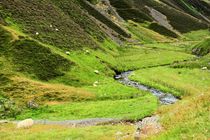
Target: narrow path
164	98
78	123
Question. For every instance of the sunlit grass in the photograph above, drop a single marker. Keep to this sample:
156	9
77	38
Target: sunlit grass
129	109
49	132
180	82
143	57
187	120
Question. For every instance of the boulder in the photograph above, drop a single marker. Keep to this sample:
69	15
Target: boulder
32	104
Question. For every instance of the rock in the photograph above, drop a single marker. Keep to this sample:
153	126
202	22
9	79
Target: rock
32	104
151	129
25	124
117	77
96	71
204	68
137	134
149	126
67	52
51	26
57	29
119	135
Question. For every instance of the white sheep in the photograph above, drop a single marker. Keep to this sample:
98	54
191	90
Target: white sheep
25	123
95	84
67	52
96	71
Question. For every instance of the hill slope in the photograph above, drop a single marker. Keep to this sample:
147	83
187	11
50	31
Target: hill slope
58	60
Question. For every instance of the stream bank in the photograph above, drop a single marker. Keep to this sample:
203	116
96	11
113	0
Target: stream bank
164	98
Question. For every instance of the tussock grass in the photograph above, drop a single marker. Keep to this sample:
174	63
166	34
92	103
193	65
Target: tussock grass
187	120
202	48
23	90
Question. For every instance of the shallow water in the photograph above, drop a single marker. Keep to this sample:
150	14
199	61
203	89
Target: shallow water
164	98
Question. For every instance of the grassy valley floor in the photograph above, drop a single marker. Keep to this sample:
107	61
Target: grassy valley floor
69	73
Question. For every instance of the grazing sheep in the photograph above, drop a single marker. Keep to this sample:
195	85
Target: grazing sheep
25	123
67	52
96	71
95	84
87	51
204	68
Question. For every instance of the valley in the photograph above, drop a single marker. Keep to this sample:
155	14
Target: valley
107	64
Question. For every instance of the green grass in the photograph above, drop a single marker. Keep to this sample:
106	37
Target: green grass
132	109
143	34
202	48
198	63
180	82
186	120
71	34
49	132
110	89
173	46
197	35
143	57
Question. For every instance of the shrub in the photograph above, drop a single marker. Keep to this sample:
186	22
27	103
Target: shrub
8	108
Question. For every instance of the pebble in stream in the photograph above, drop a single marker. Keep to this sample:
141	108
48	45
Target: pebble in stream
164	98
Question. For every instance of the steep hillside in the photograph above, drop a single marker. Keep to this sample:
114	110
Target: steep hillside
164	15
44	21
65	60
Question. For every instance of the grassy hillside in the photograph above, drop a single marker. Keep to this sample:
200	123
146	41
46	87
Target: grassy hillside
63	56
48	23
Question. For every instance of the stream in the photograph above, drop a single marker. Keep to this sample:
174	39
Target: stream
164	98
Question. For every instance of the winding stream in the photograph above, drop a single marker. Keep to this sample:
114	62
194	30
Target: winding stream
164	98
